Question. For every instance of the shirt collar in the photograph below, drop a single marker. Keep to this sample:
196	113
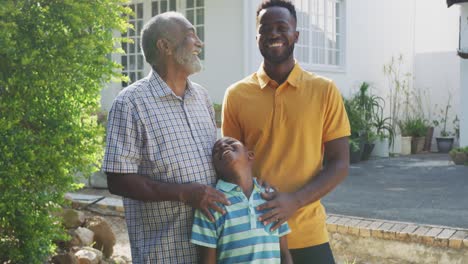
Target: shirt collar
293	78
228	187
162	89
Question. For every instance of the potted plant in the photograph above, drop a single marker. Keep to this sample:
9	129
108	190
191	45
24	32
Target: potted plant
357	130
405	137
416	128
383	130
399	87
459	156
445	140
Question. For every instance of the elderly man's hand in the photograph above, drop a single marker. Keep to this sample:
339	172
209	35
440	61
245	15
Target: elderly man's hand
280	206
204	197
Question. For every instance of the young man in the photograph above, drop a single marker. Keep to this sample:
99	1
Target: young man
238	236
158	155
293	120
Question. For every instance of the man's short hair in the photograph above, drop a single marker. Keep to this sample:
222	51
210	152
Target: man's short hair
280	3
155	29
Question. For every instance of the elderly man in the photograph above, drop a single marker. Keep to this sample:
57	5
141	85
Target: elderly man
295	122
161	131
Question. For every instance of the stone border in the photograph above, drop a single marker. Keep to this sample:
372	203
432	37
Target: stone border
106	206
431	235
437	236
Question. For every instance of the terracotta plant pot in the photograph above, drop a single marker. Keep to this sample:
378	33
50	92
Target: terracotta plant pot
417	144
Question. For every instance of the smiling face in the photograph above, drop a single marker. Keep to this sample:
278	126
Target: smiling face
188	47
231	158
276	34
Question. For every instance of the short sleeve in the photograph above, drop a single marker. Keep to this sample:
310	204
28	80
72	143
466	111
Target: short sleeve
336	123
122	153
204	231
284	229
230	125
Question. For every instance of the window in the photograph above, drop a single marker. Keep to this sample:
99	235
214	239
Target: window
321	25
133	60
195	13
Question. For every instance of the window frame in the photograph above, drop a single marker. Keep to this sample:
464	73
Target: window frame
306	35
147	6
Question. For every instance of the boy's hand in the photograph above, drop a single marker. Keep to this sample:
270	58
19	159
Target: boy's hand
268	188
204	197
281	207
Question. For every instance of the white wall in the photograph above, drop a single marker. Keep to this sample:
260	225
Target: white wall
438	73
464	79
224	51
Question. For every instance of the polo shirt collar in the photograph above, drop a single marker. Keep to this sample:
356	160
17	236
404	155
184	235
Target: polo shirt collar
161	88
293	78
228	187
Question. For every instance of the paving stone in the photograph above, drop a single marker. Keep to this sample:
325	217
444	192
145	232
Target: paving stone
332	219
455	243
353	230
364	224
375	225
342	220
446	234
465	243
343	229
460	234
398	227
387	234
442	239
364	232
418	234
406	233
375	231
429	237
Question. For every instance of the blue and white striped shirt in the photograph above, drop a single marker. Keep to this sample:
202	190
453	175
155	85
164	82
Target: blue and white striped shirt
159	135
237	235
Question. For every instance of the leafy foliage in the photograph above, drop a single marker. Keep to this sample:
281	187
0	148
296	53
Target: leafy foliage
366	115
54	59
414	127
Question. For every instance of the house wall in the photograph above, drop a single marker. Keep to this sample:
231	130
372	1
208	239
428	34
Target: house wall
464	79
224	50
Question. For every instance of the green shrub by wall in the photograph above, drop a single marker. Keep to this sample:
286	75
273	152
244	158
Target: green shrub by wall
54	60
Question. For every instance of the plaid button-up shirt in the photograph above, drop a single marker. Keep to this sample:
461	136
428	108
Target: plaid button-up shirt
157	134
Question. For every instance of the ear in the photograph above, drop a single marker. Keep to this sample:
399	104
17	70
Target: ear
163	46
251	155
296	36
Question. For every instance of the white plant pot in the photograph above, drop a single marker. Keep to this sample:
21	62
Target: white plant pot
381	148
405	145
395	148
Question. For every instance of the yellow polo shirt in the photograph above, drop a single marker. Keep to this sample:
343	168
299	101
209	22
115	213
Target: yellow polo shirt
286	126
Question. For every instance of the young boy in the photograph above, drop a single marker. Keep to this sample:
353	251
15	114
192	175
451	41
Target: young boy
237	236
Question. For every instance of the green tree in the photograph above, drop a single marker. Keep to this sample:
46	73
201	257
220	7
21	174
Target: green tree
54	60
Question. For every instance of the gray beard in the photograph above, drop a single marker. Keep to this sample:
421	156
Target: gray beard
191	63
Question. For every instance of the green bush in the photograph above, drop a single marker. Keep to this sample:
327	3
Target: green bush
54	59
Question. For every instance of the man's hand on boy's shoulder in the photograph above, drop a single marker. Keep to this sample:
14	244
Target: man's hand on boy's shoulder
280	206
204	198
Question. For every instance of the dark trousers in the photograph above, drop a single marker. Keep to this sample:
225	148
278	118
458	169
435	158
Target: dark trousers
320	254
